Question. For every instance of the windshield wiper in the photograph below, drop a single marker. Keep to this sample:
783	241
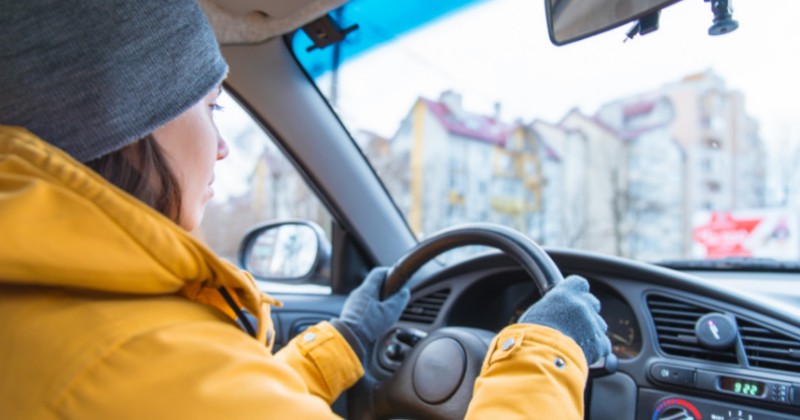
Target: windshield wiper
732	263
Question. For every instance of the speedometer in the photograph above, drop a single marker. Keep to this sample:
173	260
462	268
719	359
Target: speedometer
623	330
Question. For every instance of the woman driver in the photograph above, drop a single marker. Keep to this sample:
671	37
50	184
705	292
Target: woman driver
111	309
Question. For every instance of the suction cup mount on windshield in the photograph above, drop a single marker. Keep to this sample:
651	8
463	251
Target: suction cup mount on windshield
723	22
723	17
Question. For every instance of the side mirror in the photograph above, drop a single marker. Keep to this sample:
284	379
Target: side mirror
572	20
291	251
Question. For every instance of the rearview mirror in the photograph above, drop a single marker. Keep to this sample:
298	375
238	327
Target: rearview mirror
292	251
572	20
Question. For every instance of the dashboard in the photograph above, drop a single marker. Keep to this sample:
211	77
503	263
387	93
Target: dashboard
664	326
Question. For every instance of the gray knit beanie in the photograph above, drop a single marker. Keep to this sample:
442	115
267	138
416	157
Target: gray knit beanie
92	76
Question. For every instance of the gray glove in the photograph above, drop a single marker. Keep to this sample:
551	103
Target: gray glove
572	310
366	316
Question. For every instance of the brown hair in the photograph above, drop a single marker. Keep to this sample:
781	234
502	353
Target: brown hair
141	170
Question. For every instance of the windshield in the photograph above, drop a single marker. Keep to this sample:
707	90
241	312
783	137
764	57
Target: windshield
673	145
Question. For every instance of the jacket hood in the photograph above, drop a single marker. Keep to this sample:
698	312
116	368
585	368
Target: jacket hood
63	225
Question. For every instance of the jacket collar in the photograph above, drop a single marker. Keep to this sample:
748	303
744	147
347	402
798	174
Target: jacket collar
65	226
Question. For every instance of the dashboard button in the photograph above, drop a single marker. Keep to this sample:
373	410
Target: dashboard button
795	395
672	375
779	393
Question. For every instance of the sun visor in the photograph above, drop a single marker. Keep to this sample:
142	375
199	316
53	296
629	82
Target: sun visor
254	21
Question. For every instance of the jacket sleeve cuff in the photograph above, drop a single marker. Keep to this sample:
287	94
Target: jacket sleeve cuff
323	357
517	336
351	339
530	369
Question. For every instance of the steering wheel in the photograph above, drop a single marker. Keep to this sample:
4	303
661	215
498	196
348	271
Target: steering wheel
437	376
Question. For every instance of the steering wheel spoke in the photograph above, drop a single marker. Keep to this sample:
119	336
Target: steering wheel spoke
436	379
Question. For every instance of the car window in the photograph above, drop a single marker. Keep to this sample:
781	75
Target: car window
255	184
672	145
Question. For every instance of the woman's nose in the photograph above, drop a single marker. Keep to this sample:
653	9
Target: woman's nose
222	149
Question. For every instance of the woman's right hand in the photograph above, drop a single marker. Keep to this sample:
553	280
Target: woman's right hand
571	309
367	316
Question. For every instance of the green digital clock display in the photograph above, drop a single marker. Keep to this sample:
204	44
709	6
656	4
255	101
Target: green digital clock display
742	386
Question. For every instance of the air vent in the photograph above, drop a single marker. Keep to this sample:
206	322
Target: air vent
425	309
675	321
768	349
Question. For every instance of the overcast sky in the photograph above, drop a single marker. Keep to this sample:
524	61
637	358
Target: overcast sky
499	51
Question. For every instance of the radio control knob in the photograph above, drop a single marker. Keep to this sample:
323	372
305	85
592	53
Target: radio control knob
676	413
676	409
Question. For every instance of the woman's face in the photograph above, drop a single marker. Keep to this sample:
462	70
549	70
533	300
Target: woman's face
192	144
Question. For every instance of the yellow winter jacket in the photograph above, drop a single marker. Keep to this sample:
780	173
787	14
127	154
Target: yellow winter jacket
110	310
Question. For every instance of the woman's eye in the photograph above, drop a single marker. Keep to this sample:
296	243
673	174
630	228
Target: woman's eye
216	107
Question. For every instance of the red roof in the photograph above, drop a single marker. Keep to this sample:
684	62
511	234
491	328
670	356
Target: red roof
474	126
549	152
638	108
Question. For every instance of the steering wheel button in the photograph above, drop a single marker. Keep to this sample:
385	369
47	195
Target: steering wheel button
507	344
309	337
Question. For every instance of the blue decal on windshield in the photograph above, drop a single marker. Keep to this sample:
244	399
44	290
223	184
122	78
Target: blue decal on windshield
378	23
